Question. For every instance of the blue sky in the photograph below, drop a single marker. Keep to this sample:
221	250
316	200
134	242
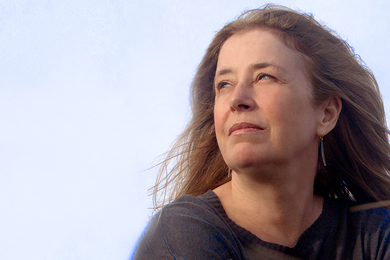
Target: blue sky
93	92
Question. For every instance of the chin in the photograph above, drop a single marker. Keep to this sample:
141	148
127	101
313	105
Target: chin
245	160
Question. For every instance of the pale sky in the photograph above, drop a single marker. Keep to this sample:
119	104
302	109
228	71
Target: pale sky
92	92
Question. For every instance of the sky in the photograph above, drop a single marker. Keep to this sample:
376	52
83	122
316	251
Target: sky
92	93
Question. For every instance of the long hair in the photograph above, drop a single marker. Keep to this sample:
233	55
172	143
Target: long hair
356	150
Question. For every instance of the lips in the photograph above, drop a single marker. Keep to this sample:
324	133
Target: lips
244	125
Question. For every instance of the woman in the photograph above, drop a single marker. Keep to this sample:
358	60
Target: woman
286	155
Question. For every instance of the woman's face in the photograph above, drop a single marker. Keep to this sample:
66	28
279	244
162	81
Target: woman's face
264	113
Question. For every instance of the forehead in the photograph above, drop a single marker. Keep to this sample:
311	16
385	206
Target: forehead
258	46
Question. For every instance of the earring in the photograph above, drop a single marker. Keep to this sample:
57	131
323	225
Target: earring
322	151
229	173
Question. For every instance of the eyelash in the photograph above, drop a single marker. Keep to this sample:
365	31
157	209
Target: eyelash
221	84
264	75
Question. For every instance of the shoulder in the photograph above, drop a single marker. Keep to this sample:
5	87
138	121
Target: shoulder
346	230
190	227
191	212
370	215
372	228
189	206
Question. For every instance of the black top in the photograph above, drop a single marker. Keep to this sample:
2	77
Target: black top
198	228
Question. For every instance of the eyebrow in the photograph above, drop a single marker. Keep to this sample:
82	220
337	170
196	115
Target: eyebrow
260	65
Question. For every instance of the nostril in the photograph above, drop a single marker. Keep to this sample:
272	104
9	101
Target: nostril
243	106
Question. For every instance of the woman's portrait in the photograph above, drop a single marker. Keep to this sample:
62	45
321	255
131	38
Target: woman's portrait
286	155
223	129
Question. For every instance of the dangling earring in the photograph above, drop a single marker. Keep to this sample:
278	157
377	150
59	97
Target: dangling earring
229	173
322	151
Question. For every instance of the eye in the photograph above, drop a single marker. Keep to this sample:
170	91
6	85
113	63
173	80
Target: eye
223	84
264	76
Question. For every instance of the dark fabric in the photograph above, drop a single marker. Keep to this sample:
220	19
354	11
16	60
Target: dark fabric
198	228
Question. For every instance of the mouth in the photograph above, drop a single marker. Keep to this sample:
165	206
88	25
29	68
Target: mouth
245	127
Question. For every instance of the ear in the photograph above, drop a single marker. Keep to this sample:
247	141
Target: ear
330	111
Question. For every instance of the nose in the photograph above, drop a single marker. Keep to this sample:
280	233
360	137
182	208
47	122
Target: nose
241	98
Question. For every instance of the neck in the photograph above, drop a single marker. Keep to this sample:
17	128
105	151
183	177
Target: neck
278	208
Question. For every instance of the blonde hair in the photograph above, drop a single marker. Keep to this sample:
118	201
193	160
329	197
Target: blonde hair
356	150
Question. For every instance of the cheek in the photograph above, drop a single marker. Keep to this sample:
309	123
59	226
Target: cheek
288	111
218	124
298	117
219	120
278	107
